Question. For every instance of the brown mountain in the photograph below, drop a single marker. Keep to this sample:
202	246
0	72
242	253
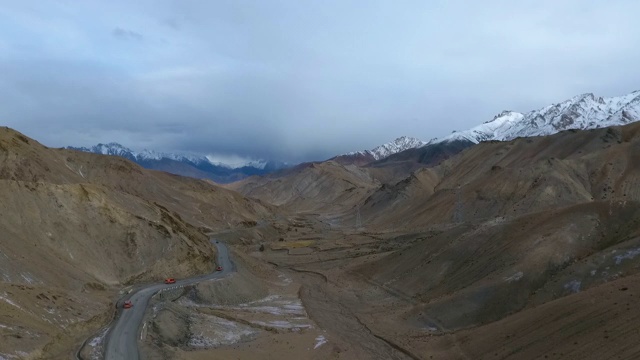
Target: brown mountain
497	250
526	175
359	159
326	186
73	225
310	186
524	249
426	156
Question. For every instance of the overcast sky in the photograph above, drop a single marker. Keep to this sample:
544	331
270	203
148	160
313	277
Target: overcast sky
299	80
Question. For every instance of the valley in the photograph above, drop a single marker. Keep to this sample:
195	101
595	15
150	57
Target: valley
524	249
319	180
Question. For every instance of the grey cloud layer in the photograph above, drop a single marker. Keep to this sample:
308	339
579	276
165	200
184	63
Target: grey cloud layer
299	80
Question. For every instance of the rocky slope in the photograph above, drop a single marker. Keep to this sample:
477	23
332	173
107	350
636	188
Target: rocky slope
75	227
500	249
512	225
327	187
525	175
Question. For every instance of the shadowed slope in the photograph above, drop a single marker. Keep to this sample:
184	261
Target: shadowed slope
325	187
532	222
516	178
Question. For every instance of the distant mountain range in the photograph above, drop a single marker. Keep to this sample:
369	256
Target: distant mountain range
584	111
191	165
380	152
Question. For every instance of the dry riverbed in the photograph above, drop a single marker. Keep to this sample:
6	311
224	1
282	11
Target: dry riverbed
254	313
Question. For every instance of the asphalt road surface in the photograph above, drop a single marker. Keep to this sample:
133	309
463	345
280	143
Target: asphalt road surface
122	339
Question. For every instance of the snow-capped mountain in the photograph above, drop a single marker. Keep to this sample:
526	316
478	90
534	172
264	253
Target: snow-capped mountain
114	149
400	144
379	152
584	111
193	165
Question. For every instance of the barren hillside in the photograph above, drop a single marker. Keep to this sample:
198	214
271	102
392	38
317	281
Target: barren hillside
510	179
74	225
519	234
487	254
318	187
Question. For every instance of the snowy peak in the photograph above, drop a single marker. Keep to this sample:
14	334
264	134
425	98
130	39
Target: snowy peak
233	162
489	130
219	168
113	149
400	144
585	111
182	157
109	149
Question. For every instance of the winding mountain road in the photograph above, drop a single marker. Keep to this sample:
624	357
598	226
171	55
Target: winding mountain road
122	339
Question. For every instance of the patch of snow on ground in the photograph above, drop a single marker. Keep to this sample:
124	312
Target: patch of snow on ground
573	286
282	324
515	277
266	299
272	304
286	280
29	278
273	311
10	356
320	340
630	254
97	344
8	301
99	338
289	309
212	331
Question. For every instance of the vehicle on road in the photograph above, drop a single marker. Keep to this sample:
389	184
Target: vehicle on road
169	281
219	268
122	340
